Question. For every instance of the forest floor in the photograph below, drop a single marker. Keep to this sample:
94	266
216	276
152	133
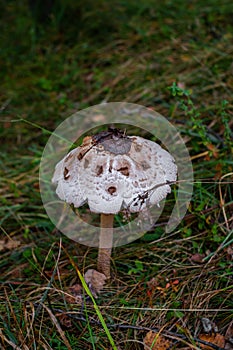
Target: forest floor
167	291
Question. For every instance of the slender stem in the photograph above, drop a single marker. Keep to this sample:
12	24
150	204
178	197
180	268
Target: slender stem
105	244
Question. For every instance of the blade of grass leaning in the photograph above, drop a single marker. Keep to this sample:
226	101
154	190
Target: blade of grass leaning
89	327
97	310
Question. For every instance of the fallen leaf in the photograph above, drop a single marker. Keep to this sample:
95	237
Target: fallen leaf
64	320
74	294
218	167
154	341
95	281
185	58
152	283
9	244
174	285
216	339
175	282
162	291
213	150
229	251
197	258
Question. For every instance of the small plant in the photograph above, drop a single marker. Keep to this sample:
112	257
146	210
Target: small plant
225	118
137	269
187	105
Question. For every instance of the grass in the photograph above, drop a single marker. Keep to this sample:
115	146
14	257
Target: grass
176	59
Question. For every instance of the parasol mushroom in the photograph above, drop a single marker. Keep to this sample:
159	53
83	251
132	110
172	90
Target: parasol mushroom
111	172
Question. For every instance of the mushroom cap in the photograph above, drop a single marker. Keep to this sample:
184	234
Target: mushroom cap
111	172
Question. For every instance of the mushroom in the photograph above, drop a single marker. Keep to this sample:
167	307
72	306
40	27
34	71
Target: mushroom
112	171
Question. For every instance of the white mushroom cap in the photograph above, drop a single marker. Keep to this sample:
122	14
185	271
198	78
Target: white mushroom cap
115	172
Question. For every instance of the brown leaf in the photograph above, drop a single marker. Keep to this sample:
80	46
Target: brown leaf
216	339
95	281
74	294
64	320
152	283
159	342
9	244
229	251
197	258
213	150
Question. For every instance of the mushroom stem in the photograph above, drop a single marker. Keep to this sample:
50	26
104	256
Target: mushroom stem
105	244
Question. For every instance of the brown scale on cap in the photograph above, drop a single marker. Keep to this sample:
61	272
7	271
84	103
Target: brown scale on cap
66	172
112	189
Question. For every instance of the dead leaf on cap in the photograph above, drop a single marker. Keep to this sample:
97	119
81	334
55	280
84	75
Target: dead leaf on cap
216	339
9	244
95	281
154	341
